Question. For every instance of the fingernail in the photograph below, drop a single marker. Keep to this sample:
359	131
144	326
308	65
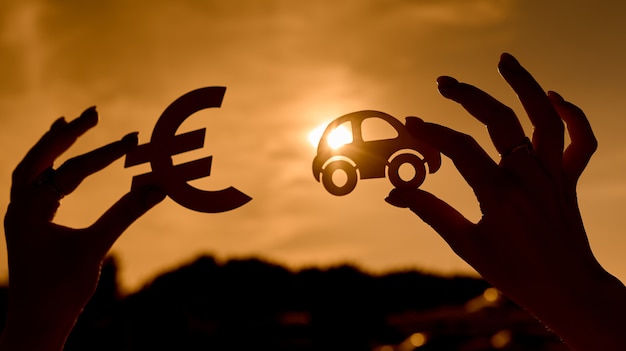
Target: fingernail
446	85
89	116
554	96
396	198
446	80
59	123
415	126
89	111
510	63
413	122
131	138
153	195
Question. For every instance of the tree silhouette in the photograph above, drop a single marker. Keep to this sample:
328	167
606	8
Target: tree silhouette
249	304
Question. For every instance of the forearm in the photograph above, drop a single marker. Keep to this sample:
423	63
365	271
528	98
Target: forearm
39	318
588	313
33	335
37	328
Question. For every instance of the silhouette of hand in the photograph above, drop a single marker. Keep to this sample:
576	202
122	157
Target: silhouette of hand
530	242
53	269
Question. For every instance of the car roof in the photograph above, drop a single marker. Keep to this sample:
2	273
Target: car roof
360	116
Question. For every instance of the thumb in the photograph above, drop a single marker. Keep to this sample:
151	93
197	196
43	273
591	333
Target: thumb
123	213
443	218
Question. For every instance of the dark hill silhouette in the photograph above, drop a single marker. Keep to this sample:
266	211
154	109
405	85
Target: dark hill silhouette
248	304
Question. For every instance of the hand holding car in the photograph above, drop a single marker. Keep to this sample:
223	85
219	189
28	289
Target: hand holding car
372	158
530	242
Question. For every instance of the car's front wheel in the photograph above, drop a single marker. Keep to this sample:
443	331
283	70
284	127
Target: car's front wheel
398	176
339	177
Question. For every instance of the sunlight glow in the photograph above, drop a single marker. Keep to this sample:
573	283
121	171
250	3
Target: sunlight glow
338	137
316	134
335	139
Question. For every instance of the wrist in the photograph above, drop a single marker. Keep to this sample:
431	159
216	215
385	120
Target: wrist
37	323
586	310
30	330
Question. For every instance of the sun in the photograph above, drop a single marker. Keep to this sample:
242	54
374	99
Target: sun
315	135
335	139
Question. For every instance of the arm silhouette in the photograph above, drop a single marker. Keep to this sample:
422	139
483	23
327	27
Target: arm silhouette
530	242
53	269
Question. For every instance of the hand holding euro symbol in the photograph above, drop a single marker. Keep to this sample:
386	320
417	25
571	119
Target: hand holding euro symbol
164	143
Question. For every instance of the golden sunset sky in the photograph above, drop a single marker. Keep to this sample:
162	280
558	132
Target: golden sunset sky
290	66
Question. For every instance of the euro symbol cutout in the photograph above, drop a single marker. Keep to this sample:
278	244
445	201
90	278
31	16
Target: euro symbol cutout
164	143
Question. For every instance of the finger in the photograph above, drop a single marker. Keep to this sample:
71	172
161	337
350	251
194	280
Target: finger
474	164
453	227
54	143
20	170
108	228
504	128
548	138
583	142
74	170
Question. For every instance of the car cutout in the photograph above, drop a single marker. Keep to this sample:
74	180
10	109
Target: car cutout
371	158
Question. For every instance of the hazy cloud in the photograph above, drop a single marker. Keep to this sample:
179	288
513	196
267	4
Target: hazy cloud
289	66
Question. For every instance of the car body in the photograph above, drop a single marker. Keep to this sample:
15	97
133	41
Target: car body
372	158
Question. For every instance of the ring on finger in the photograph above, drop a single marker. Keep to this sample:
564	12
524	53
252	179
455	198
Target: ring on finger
46	178
527	146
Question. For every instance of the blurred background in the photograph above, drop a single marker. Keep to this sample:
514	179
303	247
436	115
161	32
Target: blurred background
290	67
298	268
244	304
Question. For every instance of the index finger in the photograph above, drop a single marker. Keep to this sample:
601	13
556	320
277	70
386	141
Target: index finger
504	128
71	173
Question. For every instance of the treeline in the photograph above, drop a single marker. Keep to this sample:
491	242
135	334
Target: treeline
251	304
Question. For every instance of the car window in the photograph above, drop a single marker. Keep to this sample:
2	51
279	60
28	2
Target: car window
377	129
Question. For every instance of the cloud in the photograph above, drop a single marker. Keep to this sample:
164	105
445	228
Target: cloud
459	13
22	46
289	65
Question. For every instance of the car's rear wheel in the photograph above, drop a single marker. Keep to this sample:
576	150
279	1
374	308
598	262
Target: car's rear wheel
332	177
398	176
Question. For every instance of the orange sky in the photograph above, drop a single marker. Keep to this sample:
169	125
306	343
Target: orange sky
289	67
